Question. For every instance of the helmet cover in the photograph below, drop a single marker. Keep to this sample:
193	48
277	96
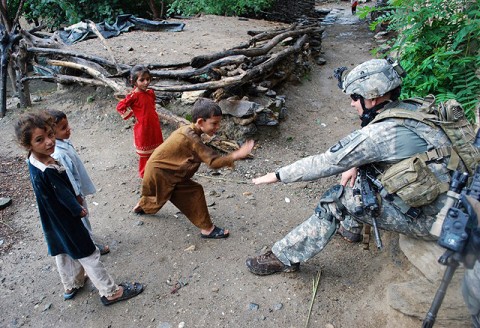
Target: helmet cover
372	79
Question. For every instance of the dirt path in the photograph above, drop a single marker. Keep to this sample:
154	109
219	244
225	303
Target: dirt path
164	250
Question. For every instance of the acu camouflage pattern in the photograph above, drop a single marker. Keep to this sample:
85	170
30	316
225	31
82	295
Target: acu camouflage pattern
371	79
311	236
374	144
471	292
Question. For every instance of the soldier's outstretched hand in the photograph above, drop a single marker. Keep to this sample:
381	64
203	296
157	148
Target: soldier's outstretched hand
267	178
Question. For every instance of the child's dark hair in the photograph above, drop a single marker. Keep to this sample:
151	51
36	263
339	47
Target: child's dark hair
28	122
57	115
136	72
205	108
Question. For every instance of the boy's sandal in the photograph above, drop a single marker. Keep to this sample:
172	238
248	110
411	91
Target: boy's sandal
74	291
138	210
129	291
69	296
217	233
104	249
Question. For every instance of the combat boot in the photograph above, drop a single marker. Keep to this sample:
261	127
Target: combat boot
348	235
268	263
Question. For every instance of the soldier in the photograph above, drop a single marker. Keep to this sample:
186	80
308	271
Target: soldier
374	87
471	282
471	293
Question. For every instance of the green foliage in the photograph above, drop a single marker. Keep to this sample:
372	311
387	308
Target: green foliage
55	13
438	45
217	7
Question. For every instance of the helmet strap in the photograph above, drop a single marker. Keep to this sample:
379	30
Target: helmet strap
369	114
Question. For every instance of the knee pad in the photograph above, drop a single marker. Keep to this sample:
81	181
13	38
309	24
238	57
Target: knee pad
330	196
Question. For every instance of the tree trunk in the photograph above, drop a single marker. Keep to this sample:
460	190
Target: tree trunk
3	83
22	86
153	8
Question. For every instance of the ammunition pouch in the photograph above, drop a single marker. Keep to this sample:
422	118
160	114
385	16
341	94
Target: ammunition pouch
413	181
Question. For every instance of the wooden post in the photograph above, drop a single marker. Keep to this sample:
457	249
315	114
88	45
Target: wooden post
23	86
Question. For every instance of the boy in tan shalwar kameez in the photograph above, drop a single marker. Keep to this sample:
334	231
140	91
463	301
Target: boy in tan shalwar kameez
170	168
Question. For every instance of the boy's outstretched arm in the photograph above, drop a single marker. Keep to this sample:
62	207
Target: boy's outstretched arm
243	151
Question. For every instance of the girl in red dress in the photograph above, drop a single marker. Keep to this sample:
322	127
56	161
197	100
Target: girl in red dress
140	105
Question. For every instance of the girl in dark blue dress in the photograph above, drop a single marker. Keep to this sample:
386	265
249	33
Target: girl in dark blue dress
60	214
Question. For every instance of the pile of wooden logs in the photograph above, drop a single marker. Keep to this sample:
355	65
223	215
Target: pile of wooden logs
249	69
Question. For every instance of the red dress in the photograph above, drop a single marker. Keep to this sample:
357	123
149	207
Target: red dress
147	132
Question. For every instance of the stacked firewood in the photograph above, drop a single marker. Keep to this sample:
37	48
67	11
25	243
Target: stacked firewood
250	69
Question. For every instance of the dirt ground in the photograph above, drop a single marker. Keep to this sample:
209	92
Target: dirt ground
193	282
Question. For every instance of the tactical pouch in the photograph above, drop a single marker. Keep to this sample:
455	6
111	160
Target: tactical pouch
412	181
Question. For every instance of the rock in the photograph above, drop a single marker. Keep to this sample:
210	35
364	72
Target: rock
190	248
238	108
320	61
164	325
5	202
253	306
415	297
271	93
424	256
189	97
277	306
266	118
232	131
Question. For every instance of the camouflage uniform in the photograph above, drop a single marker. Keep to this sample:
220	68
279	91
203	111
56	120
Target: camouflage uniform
471	293
381	143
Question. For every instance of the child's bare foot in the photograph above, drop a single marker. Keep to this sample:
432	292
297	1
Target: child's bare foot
125	291
214	233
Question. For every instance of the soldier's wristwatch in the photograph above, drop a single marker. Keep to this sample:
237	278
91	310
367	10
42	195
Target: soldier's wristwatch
277	175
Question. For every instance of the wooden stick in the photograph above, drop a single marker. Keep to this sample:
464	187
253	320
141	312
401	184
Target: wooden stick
238	79
252	52
222	179
181	74
104	42
95	59
90	71
316	283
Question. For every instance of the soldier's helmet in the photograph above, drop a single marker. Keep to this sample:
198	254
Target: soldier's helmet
373	78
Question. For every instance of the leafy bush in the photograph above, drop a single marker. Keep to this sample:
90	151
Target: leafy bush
438	45
55	13
217	7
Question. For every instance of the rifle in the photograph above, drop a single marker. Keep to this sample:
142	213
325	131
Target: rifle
370	202
457	220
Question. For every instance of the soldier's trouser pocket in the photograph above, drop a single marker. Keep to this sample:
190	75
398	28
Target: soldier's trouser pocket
413	181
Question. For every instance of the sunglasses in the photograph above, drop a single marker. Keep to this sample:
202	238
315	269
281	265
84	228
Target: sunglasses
355	97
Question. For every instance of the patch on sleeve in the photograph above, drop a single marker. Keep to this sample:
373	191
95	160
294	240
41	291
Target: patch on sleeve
345	141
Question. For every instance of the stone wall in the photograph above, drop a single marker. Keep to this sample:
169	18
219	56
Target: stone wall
290	10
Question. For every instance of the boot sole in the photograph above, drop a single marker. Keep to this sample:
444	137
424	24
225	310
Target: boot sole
287	269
